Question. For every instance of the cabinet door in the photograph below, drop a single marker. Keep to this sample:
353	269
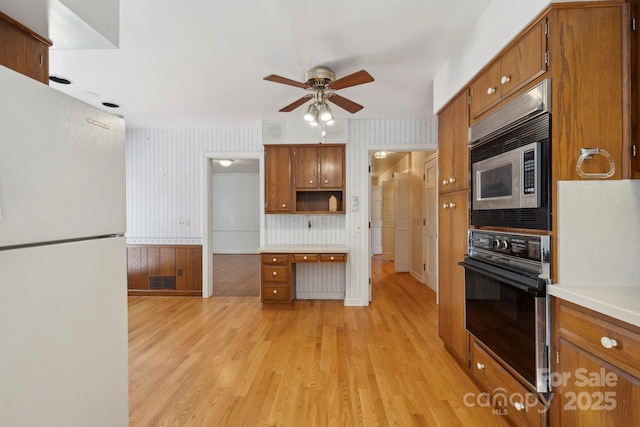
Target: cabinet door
277	173
524	61
590	88
485	90
331	166
24	51
453	152
453	223
306	167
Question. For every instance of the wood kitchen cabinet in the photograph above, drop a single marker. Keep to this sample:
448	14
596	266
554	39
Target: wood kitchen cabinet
23	50
453	222
300	179
277	174
595	366
453	154
508	397
520	64
277	280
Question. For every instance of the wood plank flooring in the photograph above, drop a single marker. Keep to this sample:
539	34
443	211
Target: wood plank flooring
236	275
223	361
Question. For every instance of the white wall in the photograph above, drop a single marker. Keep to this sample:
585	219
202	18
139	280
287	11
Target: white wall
235	213
164	188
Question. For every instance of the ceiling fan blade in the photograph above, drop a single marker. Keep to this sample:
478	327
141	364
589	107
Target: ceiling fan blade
285	81
294	104
343	102
354	79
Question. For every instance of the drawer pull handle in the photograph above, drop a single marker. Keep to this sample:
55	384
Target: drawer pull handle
275	291
519	406
332	258
310	181
445	182
284	205
491	91
304	257
275	273
480	365
505	79
452	180
275	259
326	181
608	342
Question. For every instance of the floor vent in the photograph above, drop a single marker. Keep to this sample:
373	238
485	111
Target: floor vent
162	282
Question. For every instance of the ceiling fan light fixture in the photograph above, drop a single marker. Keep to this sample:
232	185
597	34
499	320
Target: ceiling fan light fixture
310	115
325	112
330	122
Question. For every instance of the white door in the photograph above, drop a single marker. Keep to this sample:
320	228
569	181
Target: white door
376	220
388	214
430	232
402	220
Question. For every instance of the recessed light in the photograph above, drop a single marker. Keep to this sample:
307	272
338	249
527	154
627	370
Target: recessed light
225	163
60	80
110	105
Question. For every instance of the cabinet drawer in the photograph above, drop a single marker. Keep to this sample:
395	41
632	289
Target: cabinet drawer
275	293
508	396
333	258
593	332
305	257
275	259
277	274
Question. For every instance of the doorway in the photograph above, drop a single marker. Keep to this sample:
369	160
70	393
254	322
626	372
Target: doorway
409	245
233	194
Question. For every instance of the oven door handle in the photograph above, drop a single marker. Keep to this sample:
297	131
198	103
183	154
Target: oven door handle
532	285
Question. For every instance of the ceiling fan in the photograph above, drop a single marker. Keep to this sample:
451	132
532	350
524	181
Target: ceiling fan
322	84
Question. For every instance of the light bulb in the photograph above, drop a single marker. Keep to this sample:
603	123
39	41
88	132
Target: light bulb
311	113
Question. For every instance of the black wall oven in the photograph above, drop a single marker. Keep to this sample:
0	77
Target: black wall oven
505	300
511	164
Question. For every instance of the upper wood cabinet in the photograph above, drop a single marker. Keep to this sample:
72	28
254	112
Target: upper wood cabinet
590	66
319	166
22	50
520	64
453	152
301	179
277	179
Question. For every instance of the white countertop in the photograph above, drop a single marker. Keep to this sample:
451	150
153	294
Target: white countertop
619	302
304	249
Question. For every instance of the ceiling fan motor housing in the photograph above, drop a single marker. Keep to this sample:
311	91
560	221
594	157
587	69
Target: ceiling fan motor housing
319	77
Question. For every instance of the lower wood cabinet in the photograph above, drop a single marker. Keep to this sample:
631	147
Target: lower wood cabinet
505	394
596	368
164	270
278	275
277	280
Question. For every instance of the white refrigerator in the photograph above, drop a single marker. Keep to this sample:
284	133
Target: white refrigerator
63	291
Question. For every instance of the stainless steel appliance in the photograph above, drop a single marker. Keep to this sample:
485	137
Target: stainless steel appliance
505	300
511	164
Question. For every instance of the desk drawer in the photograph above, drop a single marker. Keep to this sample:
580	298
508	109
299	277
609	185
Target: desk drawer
305	258
275	259
275	293
277	274
333	258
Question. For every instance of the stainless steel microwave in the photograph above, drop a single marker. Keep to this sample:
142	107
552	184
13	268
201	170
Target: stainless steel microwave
509	180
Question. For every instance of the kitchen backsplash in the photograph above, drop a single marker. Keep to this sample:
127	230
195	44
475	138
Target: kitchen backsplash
599	232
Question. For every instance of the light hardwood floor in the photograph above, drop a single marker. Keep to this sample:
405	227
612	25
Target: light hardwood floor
236	275
223	361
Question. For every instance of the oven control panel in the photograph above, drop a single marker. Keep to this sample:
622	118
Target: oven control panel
529	252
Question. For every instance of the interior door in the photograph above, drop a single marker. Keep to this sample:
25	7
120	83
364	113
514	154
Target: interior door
430	223
376	220
388	222
402	221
